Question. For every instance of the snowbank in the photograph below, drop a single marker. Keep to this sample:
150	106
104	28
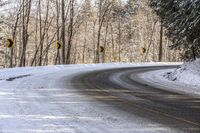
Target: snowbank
185	78
188	73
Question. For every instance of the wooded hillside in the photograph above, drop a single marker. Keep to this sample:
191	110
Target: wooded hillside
127	31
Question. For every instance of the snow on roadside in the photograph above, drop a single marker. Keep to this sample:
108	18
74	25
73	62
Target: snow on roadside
188	73
185	78
30	71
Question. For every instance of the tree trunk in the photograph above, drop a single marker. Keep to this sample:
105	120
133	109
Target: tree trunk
161	43
63	30
25	23
70	32
85	42
119	39
193	53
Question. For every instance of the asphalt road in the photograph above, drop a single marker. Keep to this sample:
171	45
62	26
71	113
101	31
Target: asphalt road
135	96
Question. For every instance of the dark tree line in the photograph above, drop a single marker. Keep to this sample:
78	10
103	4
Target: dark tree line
181	18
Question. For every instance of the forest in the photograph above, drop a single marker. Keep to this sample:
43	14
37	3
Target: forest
52	32
181	20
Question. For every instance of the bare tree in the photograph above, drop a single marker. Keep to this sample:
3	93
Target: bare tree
121	27
63	30
25	24
161	43
104	6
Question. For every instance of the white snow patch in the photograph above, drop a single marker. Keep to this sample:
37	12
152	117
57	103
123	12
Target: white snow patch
185	78
188	73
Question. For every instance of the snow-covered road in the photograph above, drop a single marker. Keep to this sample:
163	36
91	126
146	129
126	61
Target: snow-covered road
44	99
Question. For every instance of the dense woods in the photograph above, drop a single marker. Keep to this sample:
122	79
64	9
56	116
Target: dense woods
128	31
181	19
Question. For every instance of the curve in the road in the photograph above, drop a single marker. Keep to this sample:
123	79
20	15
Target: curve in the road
135	96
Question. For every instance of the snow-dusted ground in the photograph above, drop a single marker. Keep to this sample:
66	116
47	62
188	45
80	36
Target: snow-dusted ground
188	73
185	78
42	99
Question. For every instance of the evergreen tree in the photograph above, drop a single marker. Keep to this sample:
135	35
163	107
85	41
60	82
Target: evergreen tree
181	18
